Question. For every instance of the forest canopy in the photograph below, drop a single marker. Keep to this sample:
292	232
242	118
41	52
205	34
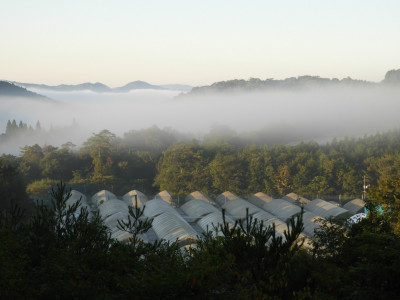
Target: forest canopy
155	159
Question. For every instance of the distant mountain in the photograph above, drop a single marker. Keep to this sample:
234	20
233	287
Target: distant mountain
138	85
95	87
101	88
8	89
293	83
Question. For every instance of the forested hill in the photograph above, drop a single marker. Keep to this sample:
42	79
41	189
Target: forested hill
392	78
8	89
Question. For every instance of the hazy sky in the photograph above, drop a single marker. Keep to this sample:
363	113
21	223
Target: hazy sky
196	42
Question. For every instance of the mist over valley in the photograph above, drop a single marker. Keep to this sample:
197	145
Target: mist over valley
288	111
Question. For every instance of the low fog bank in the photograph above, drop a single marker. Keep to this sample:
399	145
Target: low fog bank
269	117
290	117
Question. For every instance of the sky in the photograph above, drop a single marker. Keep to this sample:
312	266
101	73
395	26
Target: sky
196	42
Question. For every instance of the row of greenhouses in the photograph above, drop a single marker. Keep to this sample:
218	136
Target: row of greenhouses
184	220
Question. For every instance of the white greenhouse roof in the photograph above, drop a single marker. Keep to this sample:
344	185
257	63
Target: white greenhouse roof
213	219
75	196
295	199
112	220
157	206
282	209
269	219
111	207
102	196
198	208
238	207
310	222
199	195
325	209
84	206
355	206
129	198
170	227
165	196
259	199
225	197
262	215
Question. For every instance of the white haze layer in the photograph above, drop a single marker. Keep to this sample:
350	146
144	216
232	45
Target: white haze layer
317	114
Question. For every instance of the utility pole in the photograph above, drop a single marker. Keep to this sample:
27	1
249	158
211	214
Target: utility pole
365	186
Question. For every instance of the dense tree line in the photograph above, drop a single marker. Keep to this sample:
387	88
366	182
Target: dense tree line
156	159
103	161
309	169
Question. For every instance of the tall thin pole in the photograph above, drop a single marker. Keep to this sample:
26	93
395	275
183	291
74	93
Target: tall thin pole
366	186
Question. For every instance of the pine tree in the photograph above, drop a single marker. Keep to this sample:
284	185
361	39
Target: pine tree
38	127
8	128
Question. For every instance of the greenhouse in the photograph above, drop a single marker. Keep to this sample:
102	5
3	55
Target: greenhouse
212	220
310	223
282	209
259	199
129	198
156	207
225	197
170	227
112	220
269	219
355	206
200	196
102	196
326	210
75	196
238	207
166	197
112	206
296	199
197	208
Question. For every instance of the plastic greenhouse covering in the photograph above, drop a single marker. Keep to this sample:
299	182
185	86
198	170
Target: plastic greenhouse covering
238	207
169	227
129	198
213	219
102	196
157	206
283	209
259	199
165	196
112	206
200	196
225	197
355	206
296	199
198	208
325	209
